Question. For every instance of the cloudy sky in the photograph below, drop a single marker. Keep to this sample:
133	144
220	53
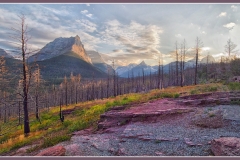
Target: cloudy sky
129	33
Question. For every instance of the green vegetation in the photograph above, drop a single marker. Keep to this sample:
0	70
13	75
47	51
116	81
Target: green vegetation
211	115
165	95
234	86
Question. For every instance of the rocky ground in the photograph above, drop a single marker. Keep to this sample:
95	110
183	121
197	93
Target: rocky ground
164	127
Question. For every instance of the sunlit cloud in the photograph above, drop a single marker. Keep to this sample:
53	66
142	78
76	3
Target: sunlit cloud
178	35
229	25
84	12
222	14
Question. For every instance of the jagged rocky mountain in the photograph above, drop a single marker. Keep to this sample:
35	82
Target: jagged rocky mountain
135	70
208	59
64	56
98	61
60	46
122	69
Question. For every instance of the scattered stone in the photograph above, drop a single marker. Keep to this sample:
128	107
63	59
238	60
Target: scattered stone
111	150
73	150
23	150
226	146
158	153
53	151
121	151
144	138
188	142
166	139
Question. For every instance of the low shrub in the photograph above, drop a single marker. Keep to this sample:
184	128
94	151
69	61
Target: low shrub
55	139
234	86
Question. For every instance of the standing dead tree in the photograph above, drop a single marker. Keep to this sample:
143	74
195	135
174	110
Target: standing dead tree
177	62
183	57
198	47
21	36
230	47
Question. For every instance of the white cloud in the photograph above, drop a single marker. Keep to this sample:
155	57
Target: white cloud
88	4
178	35
113	23
89	15
86	25
218	55
229	25
234	8
206	48
222	14
61	11
84	12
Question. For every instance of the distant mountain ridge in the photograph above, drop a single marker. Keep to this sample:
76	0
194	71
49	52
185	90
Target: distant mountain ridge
60	46
5	54
136	69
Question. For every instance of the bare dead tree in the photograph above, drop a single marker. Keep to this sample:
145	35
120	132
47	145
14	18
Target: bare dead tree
162	71
159	74
230	47
176	62
181	64
37	81
114	79
21	35
183	57
207	67
199	45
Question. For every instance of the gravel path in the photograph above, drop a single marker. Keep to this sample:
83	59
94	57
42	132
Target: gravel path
173	135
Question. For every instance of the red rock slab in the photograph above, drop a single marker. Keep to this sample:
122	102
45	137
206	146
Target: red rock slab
226	146
53	151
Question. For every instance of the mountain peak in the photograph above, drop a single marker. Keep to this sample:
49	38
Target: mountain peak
77	41
60	46
4	54
208	59
142	63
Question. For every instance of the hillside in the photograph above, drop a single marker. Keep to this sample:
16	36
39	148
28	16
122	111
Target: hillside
56	68
14	68
158	120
